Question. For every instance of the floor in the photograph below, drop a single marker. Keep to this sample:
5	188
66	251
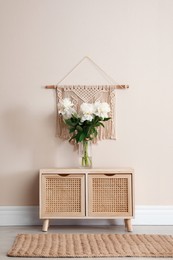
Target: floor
7	235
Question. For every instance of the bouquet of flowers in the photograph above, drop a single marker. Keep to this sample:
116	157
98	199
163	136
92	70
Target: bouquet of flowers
83	125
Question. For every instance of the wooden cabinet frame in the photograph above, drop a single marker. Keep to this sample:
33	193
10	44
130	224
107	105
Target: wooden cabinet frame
86	194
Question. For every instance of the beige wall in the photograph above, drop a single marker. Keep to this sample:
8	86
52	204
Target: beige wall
41	40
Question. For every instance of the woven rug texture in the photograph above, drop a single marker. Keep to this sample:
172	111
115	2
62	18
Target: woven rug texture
92	245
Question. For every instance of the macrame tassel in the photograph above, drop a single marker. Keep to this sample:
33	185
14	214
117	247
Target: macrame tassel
88	94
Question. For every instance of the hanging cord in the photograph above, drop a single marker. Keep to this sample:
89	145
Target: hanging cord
101	70
97	66
71	70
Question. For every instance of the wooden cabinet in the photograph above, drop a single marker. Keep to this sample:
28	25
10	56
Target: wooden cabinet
86	194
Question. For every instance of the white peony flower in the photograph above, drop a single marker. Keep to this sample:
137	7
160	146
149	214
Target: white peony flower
87	112
65	104
68	113
66	108
101	109
87	117
87	108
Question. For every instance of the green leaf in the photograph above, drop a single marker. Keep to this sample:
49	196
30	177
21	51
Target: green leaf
82	137
69	122
98	124
102	124
79	128
106	119
71	130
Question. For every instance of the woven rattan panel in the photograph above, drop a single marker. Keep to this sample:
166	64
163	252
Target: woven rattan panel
109	196
63	195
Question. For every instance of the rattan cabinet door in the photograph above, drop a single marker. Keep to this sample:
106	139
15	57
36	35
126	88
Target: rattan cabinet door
62	195
110	195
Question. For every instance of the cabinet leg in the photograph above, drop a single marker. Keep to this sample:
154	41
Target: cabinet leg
45	225
128	225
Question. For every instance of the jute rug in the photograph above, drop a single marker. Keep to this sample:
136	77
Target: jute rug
92	245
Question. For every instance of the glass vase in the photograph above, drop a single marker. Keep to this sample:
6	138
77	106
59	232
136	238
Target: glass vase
85	154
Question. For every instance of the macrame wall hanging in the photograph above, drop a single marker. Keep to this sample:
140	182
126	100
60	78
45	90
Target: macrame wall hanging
89	94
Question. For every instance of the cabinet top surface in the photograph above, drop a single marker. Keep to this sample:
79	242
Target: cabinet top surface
85	171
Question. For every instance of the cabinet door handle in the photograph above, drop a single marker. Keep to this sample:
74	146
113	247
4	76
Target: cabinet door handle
109	174
63	175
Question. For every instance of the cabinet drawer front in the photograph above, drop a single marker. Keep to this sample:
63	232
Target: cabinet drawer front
62	195
110	195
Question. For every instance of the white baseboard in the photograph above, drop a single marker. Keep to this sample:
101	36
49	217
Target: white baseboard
28	215
153	215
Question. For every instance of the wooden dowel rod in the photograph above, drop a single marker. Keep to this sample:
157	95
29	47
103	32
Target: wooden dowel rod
121	86
116	86
50	87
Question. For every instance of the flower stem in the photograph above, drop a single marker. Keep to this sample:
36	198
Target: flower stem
86	160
